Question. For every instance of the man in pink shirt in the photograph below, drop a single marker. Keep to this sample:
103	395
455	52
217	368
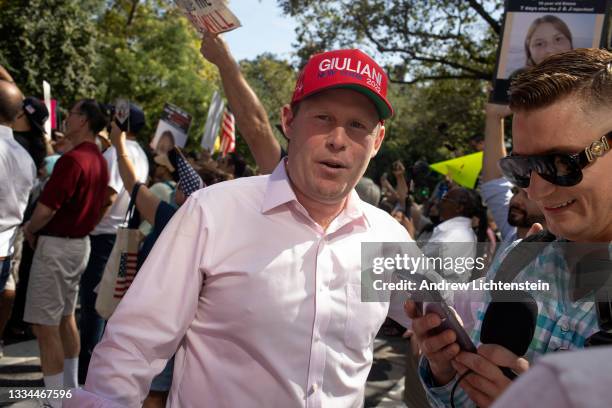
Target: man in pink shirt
255	283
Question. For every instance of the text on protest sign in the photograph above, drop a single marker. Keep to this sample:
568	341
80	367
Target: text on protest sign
209	15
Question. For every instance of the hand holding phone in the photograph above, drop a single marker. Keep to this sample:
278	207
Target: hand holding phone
440	337
450	322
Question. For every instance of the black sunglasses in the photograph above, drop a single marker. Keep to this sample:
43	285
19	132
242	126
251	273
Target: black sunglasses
561	169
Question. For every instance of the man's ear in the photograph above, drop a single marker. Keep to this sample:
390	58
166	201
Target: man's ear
286	119
380	136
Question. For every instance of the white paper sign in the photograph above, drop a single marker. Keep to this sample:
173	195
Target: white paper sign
209	15
47	96
213	121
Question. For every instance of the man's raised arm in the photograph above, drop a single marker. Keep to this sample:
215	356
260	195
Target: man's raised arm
251	117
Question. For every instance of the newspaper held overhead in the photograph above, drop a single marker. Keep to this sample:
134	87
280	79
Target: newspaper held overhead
209	15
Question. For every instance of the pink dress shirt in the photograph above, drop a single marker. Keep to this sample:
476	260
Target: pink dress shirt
261	305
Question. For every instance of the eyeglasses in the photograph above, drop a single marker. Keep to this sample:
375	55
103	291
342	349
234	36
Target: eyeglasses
561	169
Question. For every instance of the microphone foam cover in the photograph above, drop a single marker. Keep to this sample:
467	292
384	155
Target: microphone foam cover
510	324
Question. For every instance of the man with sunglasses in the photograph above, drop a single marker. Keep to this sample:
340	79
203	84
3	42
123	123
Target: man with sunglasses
561	158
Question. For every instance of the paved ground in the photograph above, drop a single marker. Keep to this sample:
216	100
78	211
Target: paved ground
20	368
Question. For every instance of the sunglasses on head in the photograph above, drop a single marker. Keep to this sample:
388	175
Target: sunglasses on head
561	169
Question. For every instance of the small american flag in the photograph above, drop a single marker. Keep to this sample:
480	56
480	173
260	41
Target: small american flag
127	272
228	135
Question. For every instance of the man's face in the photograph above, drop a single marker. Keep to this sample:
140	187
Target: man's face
581	212
450	204
332	138
75	122
523	212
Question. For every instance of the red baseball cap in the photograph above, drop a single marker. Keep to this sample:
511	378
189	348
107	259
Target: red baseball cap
352	69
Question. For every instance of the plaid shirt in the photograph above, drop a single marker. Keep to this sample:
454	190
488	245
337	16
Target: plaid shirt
562	324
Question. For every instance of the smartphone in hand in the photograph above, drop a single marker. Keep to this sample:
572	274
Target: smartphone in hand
449	321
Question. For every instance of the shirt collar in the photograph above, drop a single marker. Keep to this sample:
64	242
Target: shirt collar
6	131
279	192
455	222
278	189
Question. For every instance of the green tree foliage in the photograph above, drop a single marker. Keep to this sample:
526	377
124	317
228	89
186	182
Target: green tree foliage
150	54
273	81
420	39
428	117
52	40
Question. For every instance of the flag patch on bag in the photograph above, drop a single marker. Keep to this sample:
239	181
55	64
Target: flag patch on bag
126	274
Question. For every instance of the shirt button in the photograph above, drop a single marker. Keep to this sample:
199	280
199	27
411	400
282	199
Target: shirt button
564	327
314	388
317	337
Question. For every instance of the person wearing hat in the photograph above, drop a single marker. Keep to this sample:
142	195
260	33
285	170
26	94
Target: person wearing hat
103	236
255	282
28	127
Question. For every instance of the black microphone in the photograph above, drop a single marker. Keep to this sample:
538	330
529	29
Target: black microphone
510	323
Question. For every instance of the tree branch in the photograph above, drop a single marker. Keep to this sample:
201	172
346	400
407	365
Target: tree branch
413	55
478	8
433	77
132	12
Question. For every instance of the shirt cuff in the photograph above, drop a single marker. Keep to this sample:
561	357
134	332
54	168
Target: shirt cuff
84	399
440	396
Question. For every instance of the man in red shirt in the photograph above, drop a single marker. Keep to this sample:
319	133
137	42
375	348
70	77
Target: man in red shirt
69	207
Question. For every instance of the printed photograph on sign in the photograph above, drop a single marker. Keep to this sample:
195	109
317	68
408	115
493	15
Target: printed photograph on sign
535	30
172	129
122	110
535	36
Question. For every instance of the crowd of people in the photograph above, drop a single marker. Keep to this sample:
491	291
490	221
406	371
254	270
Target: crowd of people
248	288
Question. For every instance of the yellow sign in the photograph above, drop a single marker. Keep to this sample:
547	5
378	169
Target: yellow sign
463	170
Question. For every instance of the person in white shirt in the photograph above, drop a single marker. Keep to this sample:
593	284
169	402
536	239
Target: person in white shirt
17	177
454	237
103	237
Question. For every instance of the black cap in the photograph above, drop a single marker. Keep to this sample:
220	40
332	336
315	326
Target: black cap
36	112
137	118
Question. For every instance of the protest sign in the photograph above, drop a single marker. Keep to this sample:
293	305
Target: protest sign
536	29
172	129
53	114
122	113
209	15
47	99
462	170
211	129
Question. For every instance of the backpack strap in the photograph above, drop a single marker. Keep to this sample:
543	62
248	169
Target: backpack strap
522	255
132	216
